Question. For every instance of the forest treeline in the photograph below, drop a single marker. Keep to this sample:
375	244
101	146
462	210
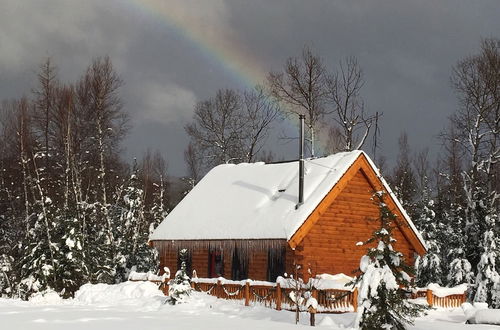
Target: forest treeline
73	211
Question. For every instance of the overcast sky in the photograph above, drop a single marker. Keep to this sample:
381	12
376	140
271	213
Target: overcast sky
172	54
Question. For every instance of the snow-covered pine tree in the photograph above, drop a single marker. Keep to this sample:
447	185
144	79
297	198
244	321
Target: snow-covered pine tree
180	286
130	218
38	264
403	177
428	266
384	278
72	270
147	257
133	230
158	210
450	212
6	285
459	269
488	278
100	250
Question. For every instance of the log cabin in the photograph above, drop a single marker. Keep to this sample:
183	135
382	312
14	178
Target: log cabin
245	221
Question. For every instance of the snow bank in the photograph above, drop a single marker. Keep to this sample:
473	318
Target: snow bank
138	294
149	276
440	291
488	316
48	297
480	314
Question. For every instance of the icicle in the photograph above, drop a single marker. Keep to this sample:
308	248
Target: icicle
245	247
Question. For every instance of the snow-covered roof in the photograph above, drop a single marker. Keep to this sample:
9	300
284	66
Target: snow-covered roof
253	201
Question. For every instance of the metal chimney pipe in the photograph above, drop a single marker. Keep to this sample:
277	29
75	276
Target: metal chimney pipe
301	162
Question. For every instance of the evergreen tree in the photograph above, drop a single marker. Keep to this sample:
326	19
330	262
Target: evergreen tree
133	230
385	277
180	287
459	269
72	270
130	223
100	250
6	285
488	278
429	265
403	177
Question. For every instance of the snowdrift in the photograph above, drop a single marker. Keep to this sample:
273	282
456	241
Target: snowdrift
480	314
144	295
48	297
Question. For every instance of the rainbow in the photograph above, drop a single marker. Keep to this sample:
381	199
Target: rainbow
216	44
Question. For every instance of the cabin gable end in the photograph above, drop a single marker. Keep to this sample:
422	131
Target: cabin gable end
355	188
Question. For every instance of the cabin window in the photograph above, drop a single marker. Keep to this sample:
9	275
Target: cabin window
215	263
188	262
239	266
275	264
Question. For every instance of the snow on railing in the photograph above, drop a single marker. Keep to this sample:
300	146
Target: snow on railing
331	297
161	280
438	296
332	292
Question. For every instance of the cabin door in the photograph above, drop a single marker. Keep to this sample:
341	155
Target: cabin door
215	263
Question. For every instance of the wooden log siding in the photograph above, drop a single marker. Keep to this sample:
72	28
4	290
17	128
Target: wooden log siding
257	255
330	244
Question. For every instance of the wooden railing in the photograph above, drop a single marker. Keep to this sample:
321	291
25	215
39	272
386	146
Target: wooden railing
337	300
433	300
274	296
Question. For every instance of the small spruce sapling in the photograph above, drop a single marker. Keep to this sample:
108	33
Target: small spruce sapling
384	278
180	286
296	283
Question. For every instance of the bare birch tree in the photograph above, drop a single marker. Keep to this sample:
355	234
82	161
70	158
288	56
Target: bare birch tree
348	113
301	86
232	127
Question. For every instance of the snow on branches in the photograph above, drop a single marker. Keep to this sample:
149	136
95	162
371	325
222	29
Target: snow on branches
384	278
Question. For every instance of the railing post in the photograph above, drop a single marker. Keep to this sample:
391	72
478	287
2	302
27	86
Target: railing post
355	299
278	297
218	292
314	293
247	293
165	288
429	297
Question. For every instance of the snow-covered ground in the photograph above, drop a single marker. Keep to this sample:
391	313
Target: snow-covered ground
133	305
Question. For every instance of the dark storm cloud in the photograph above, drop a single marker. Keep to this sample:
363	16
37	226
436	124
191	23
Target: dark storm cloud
406	49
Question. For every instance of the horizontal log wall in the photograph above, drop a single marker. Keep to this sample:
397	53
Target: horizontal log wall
330	245
257	266
257	261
